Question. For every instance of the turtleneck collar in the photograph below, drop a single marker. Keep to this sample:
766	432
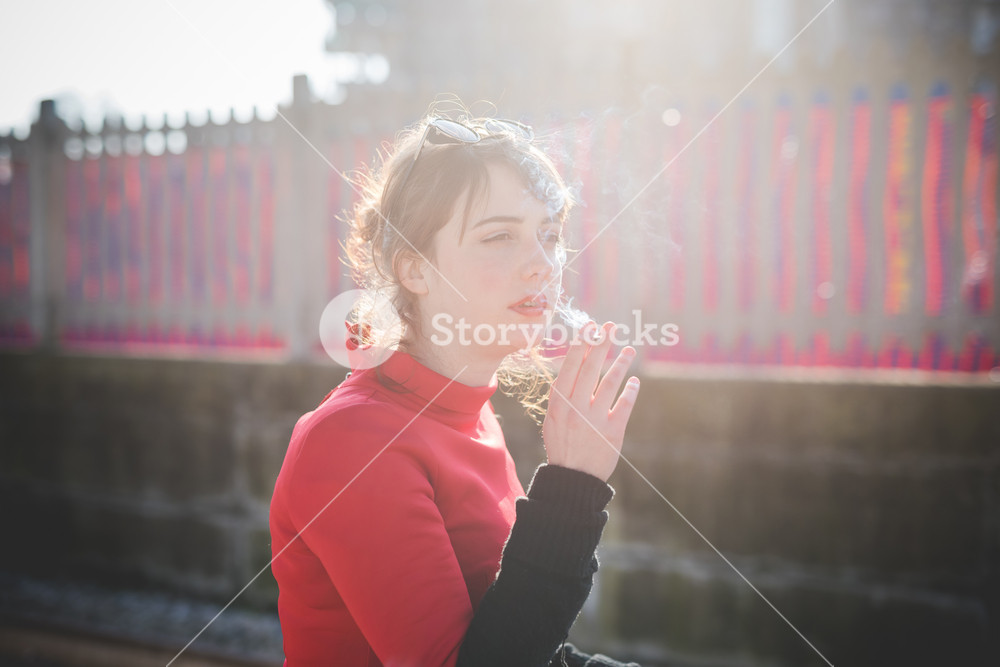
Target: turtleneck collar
429	387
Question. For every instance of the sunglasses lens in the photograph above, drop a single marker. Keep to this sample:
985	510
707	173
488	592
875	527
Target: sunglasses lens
454	131
496	126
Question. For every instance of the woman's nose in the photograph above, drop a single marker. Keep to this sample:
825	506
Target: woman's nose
541	262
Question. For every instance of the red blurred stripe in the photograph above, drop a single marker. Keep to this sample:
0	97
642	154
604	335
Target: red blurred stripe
857	205
936	202
821	134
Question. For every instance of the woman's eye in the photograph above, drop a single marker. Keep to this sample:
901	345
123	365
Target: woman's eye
551	237
503	236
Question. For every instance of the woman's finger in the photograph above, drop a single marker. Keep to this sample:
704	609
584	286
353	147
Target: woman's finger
611	383
590	371
620	413
570	366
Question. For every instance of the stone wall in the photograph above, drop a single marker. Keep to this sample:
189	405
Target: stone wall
868	514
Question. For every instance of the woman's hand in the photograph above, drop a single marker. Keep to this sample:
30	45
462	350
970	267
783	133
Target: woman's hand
581	429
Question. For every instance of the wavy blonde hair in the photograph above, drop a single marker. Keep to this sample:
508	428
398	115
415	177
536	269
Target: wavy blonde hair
421	206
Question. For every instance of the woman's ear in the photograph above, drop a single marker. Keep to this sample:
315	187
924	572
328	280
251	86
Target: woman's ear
410	269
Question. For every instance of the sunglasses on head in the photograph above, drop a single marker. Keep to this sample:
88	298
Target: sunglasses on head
444	131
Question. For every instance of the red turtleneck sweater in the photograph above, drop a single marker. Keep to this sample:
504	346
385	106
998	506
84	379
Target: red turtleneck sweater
404	501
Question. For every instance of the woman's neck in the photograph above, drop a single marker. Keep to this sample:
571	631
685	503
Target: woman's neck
469	369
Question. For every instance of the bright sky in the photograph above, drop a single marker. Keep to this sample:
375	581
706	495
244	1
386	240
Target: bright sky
159	56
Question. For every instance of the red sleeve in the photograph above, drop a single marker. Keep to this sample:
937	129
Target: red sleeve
362	484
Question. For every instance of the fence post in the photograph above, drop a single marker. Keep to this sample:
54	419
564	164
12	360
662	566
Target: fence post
289	219
47	210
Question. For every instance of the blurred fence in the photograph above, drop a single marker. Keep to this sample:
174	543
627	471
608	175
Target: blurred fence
849	226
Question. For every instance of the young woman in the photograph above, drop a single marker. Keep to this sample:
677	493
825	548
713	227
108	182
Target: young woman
401	534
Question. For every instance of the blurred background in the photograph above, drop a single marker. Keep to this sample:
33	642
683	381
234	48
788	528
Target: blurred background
807	190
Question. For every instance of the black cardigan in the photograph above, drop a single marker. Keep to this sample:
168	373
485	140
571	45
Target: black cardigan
546	574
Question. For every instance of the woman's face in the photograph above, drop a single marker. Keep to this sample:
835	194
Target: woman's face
497	281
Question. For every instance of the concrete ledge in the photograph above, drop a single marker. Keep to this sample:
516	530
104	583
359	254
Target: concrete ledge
870	510
72	623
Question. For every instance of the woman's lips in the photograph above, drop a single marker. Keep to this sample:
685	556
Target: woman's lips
528	310
531	306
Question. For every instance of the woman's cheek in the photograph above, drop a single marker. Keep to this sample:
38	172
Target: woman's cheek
490	268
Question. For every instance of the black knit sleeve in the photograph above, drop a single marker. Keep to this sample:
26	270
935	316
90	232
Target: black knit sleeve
569	656
545	574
